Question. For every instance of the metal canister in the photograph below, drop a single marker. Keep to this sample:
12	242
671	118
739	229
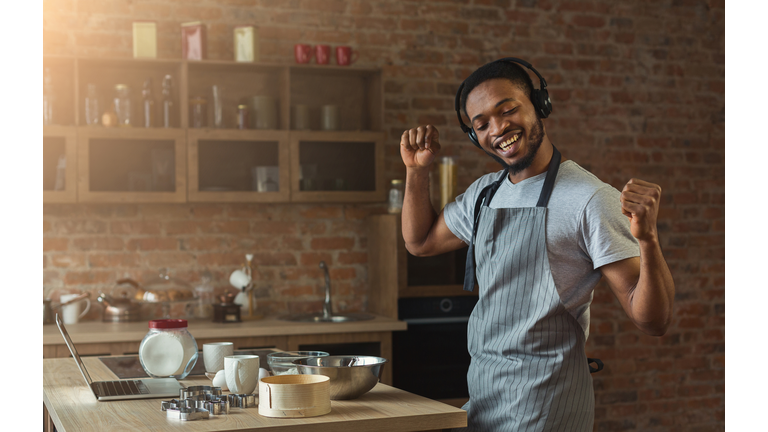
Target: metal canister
242	117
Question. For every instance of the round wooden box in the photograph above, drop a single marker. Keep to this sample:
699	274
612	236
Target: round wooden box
294	396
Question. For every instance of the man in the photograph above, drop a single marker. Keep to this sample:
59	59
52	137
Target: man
541	233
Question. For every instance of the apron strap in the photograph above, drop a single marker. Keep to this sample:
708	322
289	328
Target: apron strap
598	362
484	198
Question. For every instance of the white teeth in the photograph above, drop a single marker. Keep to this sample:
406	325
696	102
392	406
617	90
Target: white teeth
505	145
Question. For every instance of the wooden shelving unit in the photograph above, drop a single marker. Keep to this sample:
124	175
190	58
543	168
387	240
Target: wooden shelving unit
120	164
59	141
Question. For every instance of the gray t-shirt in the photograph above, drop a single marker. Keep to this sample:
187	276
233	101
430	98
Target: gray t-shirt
585	228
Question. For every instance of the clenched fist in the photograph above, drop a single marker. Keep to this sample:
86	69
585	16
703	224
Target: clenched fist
640	203
419	146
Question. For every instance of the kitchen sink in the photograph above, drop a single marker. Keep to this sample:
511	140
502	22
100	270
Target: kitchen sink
318	317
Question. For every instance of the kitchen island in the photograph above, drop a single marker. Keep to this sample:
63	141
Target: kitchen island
71	406
104	339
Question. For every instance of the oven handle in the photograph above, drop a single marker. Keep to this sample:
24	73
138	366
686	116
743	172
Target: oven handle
447	320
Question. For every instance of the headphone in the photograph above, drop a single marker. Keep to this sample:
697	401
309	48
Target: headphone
539	98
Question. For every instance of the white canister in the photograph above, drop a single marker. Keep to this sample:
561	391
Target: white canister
168	349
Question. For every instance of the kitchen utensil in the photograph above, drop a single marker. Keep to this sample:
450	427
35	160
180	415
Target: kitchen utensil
242	400
70	307
302	53
242	372
281	362
322	54
350	376
345	56
121	306
214	353
294	396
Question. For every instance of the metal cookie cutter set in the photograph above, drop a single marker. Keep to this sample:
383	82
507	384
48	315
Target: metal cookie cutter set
196	402
201	402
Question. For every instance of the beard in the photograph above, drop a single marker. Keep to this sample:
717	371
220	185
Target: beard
535	138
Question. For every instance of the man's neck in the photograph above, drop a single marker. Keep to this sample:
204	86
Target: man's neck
539	165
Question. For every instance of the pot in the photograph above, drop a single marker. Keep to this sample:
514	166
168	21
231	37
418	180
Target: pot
121	306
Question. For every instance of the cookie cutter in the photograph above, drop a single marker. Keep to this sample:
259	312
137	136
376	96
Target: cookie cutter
215	405
242	400
190	391
186	414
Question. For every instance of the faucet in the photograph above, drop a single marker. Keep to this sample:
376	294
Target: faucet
327	308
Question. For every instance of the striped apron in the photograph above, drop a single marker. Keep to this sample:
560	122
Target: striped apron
528	371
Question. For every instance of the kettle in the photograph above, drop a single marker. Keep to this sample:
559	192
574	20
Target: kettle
120	307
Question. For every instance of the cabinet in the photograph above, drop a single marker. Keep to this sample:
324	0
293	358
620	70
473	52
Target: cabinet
275	159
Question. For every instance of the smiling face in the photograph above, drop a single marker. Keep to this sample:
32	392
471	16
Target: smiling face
507	128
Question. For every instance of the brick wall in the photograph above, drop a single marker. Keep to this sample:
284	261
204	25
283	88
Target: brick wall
638	91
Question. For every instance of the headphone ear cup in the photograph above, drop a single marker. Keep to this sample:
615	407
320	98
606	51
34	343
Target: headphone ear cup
473	137
541	102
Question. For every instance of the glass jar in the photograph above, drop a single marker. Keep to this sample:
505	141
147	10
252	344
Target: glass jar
168	350
123	104
242	116
198	112
396	194
92	111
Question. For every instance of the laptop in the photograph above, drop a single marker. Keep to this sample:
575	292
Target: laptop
122	389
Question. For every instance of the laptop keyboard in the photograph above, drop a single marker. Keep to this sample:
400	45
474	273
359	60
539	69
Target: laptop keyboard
121	388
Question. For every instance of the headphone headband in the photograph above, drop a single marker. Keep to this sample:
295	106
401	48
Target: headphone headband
539	98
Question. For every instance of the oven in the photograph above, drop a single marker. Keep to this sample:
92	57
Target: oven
431	358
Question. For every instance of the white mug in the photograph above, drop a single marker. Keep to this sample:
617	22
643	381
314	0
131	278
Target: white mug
214	353
242	372
71	313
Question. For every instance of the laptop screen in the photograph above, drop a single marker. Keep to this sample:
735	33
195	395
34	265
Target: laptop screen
72	349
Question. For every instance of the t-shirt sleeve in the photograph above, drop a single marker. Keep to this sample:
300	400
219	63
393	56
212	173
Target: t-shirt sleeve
459	213
605	228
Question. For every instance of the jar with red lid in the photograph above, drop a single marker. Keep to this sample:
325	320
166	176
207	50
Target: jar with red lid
168	350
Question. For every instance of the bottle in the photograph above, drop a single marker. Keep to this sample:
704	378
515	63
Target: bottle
396	195
92	106
198	112
123	104
448	179
167	105
148	104
242	116
48	97
218	118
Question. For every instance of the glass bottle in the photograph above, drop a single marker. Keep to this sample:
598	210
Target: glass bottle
168	349
242	116
218	108
396	195
167	105
198	112
123	104
48	97
92	113
148	104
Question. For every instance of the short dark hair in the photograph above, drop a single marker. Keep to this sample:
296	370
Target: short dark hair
497	69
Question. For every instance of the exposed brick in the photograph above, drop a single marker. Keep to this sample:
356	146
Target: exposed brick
332	243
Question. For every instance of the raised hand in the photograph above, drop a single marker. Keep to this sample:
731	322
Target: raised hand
640	203
419	146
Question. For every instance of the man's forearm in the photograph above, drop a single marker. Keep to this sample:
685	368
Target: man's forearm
653	297
418	214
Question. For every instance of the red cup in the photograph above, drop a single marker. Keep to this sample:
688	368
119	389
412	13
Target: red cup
345	56
322	54
302	52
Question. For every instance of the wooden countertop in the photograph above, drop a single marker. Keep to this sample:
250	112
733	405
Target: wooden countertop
73	407
99	332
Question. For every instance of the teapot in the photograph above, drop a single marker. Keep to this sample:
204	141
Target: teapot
121	306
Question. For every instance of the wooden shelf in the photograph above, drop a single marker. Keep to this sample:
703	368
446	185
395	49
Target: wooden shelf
357	91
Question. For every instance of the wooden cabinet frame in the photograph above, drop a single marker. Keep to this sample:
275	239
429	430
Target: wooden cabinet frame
194	136
84	135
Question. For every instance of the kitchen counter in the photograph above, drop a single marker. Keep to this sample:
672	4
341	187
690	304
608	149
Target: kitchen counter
104	339
101	332
71	406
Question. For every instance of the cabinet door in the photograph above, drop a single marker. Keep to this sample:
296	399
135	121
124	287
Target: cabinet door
238	166
131	165
337	166
59	164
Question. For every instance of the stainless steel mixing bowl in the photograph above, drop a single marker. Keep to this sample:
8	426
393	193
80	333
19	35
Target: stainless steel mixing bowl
351	376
